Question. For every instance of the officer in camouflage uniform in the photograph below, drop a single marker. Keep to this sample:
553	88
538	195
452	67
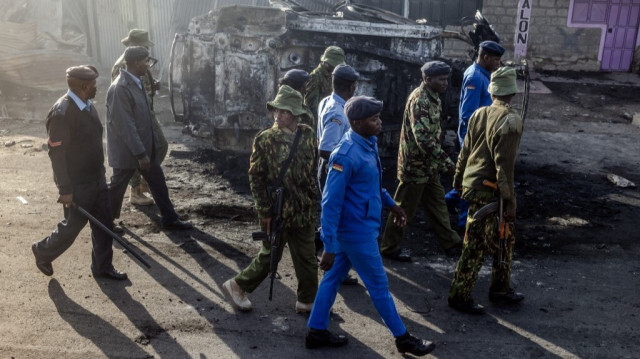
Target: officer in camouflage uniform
270	149
420	159
487	161
319	85
139	37
298	79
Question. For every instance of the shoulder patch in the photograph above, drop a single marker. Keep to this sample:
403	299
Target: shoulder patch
337	167
471	87
336	121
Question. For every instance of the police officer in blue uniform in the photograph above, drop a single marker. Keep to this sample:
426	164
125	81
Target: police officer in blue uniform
352	204
77	158
473	95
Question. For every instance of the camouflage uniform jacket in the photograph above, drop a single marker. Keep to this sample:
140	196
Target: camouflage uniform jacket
308	117
421	156
270	149
318	87
489	151
147	79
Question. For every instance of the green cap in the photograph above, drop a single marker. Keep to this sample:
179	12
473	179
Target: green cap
287	99
137	37
503	82
333	55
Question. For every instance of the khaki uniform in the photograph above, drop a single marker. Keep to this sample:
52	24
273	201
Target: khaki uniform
489	153
270	149
420	161
319	87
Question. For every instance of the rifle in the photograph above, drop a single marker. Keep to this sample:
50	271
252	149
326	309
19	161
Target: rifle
122	242
503	226
274	236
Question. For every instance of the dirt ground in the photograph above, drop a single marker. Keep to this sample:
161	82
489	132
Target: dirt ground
576	257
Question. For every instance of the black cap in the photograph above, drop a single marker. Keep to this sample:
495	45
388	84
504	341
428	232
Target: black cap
362	107
82	72
346	72
435	68
135	53
491	48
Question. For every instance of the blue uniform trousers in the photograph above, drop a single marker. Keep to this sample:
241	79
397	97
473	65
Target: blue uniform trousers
452	198
365	258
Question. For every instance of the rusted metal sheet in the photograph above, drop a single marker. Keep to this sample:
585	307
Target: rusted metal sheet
233	57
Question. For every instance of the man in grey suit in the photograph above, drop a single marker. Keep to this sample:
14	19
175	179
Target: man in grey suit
132	141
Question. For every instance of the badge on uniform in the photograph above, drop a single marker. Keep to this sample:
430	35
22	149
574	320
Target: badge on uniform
336	121
471	87
337	167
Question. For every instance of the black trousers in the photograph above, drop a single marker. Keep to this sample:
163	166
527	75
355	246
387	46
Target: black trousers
94	198
157	185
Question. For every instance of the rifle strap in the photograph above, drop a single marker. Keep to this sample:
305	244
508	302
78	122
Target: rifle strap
287	162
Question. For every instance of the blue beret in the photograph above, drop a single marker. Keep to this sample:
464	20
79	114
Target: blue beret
346	72
295	78
135	53
435	68
362	107
492	48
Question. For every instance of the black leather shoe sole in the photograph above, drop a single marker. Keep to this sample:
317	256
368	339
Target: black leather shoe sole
350	280
467	307
399	257
178	225
321	339
421	350
506	298
44	267
115	275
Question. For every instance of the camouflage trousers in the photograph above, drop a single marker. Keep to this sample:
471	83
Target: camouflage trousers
481	238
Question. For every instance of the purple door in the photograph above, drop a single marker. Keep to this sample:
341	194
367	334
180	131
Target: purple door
622	33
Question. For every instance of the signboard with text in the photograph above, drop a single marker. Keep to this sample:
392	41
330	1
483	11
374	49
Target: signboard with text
522	28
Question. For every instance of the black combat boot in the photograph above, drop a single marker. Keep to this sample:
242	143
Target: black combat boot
407	343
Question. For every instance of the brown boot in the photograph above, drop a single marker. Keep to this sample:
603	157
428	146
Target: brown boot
144	187
138	198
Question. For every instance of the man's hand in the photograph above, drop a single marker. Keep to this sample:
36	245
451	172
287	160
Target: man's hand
400	218
266	224
144	163
66	199
326	262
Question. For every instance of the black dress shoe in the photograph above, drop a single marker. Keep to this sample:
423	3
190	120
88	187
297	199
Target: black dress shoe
45	267
317	338
400	255
467	306
178	224
508	297
350	280
407	343
111	274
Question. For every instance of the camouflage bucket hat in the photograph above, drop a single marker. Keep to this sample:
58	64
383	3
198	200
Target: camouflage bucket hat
287	99
137	37
503	82
333	55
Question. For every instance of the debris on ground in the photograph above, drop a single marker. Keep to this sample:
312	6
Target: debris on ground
620	181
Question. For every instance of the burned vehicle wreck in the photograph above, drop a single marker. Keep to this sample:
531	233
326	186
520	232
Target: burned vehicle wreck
227	66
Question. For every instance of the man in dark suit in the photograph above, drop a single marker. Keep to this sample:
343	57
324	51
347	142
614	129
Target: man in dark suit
132	141
77	158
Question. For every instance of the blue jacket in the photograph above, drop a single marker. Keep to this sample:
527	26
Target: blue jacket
332	122
353	196
473	95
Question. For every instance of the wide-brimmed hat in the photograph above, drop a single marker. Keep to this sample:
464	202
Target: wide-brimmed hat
137	37
333	55
287	99
503	82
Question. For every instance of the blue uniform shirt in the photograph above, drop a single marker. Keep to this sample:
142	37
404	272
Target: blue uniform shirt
353	196
332	123
473	95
